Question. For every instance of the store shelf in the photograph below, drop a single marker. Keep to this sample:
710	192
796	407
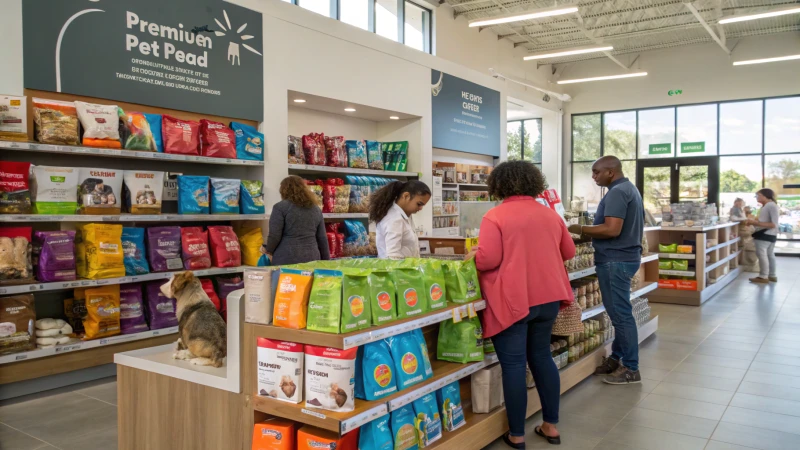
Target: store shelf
655	228
307	168
677	273
647	287
130	154
581	273
130	217
473	185
63	285
722	261
724	244
649	257
445	215
701	229
357	338
476	201
78	345
345	215
676	255
444	373
591	312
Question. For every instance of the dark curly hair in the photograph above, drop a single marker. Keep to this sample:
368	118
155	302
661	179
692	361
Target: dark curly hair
516	178
382	200
294	189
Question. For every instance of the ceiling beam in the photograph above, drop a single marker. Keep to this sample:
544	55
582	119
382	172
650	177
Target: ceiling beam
707	27
579	25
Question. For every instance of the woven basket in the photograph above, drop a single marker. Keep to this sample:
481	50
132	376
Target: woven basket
568	321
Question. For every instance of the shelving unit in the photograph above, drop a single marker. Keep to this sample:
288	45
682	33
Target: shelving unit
307	168
127	218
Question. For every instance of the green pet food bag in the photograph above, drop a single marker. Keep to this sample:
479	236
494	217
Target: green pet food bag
667	248
411	297
325	301
433	278
355	300
665	264
382	297
680	264
488	346
460	342
461	280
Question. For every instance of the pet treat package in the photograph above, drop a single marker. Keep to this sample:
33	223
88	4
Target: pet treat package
250	241
133	250
164	248
13	118
99	191
433	279
461	278
224	196
159	309
427	420
423	350
99	246
217	140
100	124
55	122
314	149
131	309
103	312
75	311
194	248
411	297
143	191
180	136
404	432
325	301
225	249
382	297
357	154
330	378
17	324
249	142
312	438
15	191
407	357
291	298
154	121
296	150
16	248
259	295
252	197
488	346
376	435
224	288
460	342
193	194
335	153
56	250
280	370
376	373
55	190
208	288
374	155
140	136
355	300
274	434
449	400
487	389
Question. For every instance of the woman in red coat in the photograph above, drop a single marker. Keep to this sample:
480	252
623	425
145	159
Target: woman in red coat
521	254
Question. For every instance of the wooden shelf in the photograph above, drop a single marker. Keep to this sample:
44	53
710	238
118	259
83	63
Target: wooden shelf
677	273
676	255
701	229
130	217
646	287
649	257
724	244
722	261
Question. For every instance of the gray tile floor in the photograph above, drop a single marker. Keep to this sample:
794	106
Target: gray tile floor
725	376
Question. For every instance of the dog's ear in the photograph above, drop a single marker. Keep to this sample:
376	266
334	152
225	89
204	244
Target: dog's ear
177	283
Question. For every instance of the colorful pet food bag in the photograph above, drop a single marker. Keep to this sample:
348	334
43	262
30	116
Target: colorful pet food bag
412	299
180	136
143	191
433	278
103	312
133	249
224	196
55	190
249	142
357	154
164	248
407	357
99	191
449	401
461	278
280	370
159	309
15	191
250	241
330	378
376	435
291	298
460	342
100	125
274	434
376	371
55	122
56	255
99	252
325	301
252	197
427	420
225	249
193	194
404	432
374	155
382	297
194	248
217	140
154	120
355	300
131	313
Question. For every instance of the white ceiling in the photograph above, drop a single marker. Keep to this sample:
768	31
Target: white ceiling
631	26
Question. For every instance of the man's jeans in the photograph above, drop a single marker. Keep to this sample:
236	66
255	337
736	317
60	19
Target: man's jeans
615	285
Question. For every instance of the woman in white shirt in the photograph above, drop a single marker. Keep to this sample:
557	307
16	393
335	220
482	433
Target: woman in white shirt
391	208
766	235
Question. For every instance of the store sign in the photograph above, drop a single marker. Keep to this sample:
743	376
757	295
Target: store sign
660	149
466	116
693	147
202	56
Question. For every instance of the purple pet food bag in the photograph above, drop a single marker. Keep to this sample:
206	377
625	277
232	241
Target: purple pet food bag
131	309
160	309
227	285
56	255
164	248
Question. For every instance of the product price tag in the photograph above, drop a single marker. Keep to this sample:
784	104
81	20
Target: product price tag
313	413
471	311
20	357
456	315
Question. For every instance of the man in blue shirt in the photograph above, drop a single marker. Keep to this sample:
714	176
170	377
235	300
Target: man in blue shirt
617	239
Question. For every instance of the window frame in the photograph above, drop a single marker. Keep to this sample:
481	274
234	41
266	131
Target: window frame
522	138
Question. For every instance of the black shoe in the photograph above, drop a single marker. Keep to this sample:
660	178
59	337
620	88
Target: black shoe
508	442
608	366
554	440
623	375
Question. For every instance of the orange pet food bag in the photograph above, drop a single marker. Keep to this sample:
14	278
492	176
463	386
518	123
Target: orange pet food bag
291	299
274	434
102	312
312	438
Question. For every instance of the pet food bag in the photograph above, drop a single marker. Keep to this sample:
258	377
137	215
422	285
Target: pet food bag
224	288
55	122
140	135
159	309
17	324
164	248
355	300
100	124
291	298
143	191
488	346
433	279
314	149
15	246
460	342
376	376
99	191
55	190
194	248
249	142
250	241
357	154
13	118
412	299
217	140
312	438
193	195
131	309
335	153
330	378
382	297
252	197
423	350
461	279
487	389
325	301
274	434
15	191
154	121
180	136
56	251
296	150
75	311
427	420
376	435
208	288
103	312
280	370
133	250
407	357
259	295
374	155
100	247
225	249
224	196
404	432
449	400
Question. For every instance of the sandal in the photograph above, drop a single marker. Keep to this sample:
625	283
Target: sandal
508	442
555	440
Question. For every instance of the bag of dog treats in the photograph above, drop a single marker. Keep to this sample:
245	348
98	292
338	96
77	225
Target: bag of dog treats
154	121
449	400
55	190
249	142
131	309
460	342
208	288
423	350
164	248
225	249
15	192
314	149
103	312
143	191
291	298
404	432
56	250
55	122
13	118
139	135
250	241
335	153
224	196
100	124
259	294
99	191
427	420
17	324
193	194
376	435
75	311
217	140
180	136
325	301
296	150
407	357
374	155
159	309
280	370
252	201
357	154
433	278
461	279
133	250
412	299
274	434
330	378
100	246
376	371
194	248
355	300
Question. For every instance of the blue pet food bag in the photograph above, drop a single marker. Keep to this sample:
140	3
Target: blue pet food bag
449	401
154	120
252	197
249	142
427	421
192	194
423	348
403	432
224	196
407	359
376	435
378	372
133	251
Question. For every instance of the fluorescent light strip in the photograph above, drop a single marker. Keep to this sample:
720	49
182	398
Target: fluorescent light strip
766	60
525	15
609	77
773	13
577	51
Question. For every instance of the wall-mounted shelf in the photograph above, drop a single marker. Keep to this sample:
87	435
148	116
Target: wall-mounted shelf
677	273
676	255
581	273
345	215
307	168
130	217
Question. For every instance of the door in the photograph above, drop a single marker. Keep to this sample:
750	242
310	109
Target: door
665	181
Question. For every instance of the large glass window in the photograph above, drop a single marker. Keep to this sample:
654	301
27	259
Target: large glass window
657	133
780	170
619	134
514	140
740	127
417	24
318	6
739	177
697	130
782	125
586	137
524	140
386	19
355	12
583	186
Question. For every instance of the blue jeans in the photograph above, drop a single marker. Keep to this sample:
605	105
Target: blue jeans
615	285
529	341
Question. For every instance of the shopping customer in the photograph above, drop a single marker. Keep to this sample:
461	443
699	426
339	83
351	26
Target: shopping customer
617	239
391	207
737	211
296	228
766	235
521	254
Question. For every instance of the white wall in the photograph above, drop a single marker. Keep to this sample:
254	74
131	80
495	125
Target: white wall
304	121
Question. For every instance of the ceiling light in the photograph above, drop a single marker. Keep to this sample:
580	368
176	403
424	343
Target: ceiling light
574	51
609	77
773	13
350	109
524	15
766	60
394	117
299	100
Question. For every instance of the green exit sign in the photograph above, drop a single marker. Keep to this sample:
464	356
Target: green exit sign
660	149
693	147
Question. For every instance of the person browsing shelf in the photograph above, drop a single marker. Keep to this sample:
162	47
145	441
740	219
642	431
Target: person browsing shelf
391	208
765	236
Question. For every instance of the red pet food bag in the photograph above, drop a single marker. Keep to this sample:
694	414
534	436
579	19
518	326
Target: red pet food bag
217	140
335	153
225	250
208	288
194	248
314	149
180	136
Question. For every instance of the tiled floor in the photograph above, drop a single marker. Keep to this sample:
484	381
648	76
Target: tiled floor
725	376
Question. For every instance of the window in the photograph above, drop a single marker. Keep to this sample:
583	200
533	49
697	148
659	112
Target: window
417	24
524	140
619	134
739	177
697	130
782	125
657	133
586	137
318	6
780	170
740	127
514	140
355	12
386	19
583	185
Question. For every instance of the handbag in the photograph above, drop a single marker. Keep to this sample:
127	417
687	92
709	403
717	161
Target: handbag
568	320
761	235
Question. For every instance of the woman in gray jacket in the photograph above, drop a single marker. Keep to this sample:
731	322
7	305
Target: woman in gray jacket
296	227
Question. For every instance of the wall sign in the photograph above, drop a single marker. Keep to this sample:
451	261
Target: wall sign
660	149
466	116
202	56
693	147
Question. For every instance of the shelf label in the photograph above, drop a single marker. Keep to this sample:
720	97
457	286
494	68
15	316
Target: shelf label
20	357
471	311
156	333
456	315
313	413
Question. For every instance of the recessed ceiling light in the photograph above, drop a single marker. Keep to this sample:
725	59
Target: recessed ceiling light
350	109
766	60
609	77
523	15
394	117
574	51
762	15
299	100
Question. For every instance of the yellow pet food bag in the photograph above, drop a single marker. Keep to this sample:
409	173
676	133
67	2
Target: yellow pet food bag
102	312
101	248
250	241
